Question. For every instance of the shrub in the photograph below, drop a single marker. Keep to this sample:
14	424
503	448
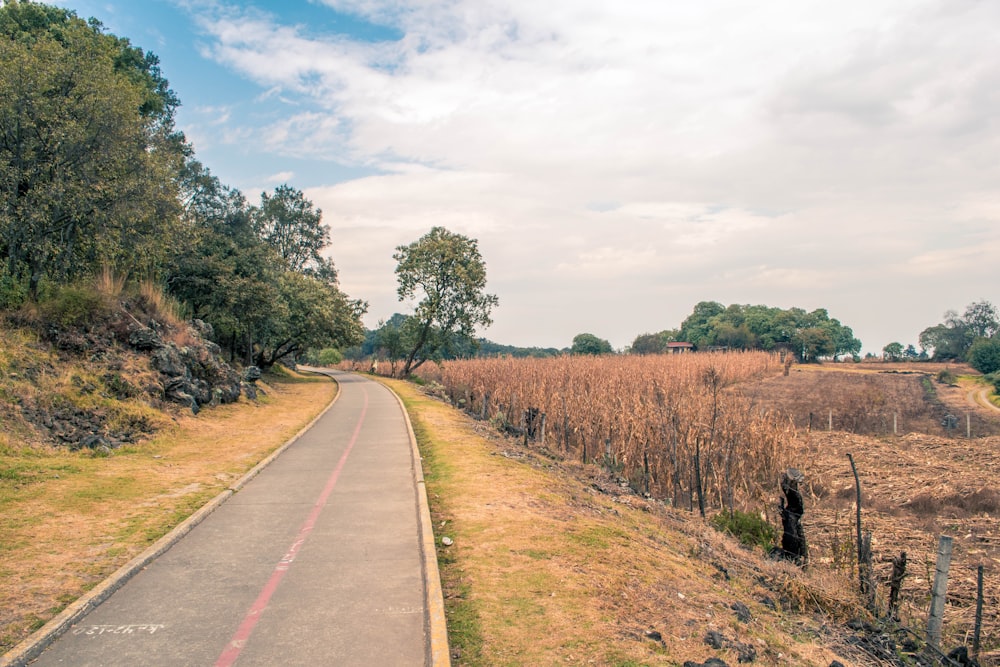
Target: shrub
750	529
994	379
947	377
984	355
329	357
73	306
13	290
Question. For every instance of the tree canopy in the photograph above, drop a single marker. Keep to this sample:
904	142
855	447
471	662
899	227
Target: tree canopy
88	153
445	272
587	343
94	176
953	338
808	335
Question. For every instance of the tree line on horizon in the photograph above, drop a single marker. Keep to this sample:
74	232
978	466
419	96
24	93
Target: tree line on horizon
94	176
710	326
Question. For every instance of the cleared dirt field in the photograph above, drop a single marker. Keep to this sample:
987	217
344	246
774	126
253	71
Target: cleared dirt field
880	399
925	481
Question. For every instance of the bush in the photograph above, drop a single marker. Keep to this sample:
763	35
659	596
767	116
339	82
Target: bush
329	357
749	529
13	290
73	306
947	377
984	355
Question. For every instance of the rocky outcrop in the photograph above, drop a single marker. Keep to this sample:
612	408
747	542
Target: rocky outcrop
194	375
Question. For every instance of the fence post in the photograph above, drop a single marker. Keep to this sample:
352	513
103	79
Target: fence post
979	613
939	591
968	425
895	426
830	427
543	430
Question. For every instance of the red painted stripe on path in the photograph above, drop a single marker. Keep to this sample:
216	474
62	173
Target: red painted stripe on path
239	640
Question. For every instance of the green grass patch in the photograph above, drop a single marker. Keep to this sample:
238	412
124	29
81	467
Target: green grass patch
750	529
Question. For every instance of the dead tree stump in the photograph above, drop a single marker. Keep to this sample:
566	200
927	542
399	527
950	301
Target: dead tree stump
896	584
793	538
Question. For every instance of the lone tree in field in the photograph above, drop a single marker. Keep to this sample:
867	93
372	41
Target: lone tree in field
586	343
446	272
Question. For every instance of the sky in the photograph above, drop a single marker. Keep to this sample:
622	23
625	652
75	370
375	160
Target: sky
617	162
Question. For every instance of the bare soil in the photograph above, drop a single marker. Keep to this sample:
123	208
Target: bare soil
917	485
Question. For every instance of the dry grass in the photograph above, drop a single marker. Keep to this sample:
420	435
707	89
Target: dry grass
672	424
554	563
69	519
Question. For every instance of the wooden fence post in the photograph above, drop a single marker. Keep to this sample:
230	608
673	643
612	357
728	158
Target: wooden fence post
979	613
936	617
896	585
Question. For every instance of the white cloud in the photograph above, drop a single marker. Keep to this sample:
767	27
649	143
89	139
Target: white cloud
612	158
281	177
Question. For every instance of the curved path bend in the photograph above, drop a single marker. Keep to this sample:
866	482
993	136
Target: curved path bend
323	558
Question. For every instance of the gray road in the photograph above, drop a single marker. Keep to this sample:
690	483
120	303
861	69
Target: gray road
317	561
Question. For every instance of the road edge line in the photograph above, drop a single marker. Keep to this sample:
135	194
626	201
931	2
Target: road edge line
439	654
33	645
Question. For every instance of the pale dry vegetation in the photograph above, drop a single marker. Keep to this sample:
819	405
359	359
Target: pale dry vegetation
554	562
874	399
671	425
645	419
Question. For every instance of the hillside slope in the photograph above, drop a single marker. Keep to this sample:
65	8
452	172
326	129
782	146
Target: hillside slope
101	454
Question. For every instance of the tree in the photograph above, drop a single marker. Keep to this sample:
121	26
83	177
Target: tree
390	340
586	343
224	272
813	343
946	340
981	319
88	156
952	338
446	272
653	343
984	355
698	327
648	344
809	335
309	313
892	352
289	223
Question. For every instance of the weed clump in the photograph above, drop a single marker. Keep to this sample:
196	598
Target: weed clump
750	529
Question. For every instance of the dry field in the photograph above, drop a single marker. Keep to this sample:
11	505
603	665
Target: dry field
554	562
920	479
925	482
878	399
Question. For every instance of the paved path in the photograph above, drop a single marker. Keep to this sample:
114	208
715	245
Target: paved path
319	560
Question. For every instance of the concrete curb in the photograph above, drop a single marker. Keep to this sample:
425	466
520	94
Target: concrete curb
32	647
438	653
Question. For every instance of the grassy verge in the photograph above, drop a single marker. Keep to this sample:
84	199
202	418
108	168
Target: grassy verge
549	566
69	519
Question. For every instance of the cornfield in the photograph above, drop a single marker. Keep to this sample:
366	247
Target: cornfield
669	425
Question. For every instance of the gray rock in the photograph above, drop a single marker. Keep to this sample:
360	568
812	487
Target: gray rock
742	612
168	361
143	338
